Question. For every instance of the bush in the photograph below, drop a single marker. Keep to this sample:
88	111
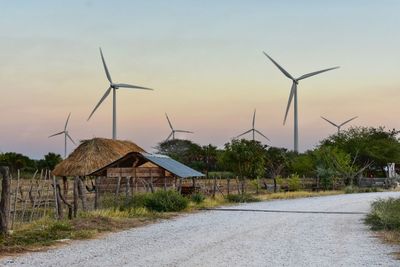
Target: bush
241	198
166	201
294	183
385	215
197	198
349	189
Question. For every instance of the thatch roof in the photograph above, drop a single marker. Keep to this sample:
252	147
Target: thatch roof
94	154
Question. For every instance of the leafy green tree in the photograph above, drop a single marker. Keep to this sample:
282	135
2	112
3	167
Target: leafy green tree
368	146
277	163
245	158
209	155
16	161
50	161
184	151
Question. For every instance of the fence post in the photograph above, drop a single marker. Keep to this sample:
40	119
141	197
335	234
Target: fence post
55	198
5	200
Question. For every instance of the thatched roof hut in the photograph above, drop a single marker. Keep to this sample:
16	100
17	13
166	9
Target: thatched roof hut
94	154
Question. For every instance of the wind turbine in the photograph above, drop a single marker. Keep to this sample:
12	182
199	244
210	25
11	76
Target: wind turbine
173	131
338	126
113	87
293	94
253	129
66	134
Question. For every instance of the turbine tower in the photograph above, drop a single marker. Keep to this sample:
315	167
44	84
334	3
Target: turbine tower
113	86
293	94
66	134
338	126
173	131
253	129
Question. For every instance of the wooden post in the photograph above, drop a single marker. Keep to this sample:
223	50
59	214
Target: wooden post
60	210
76	196
118	186
228	185
96	194
15	201
165	181
214	186
65	186
5	200
82	194
127	186
55	196
180	185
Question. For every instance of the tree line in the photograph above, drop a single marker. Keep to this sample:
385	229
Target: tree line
342	157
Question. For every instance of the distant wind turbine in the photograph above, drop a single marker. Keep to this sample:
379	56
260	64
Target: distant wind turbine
338	126
173	131
66	134
293	94
114	87
253	129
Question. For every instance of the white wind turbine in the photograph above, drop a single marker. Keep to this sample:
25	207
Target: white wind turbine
113	87
338	126
293	94
66	134
253	129
173	131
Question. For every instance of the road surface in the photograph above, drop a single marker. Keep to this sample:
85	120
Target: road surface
239	238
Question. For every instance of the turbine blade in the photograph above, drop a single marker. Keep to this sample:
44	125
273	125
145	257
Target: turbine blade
101	101
66	123
169	122
257	131
169	136
294	86
183	131
105	67
348	121
70	138
287	74
246	132
334	124
254	118
315	73
124	85
57	134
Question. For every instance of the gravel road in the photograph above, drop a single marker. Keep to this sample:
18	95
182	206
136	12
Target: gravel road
238	238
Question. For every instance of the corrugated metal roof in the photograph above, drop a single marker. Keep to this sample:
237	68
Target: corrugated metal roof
172	165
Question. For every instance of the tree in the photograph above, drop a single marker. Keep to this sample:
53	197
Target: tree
277	161
245	158
209	155
375	147
16	161
184	151
50	161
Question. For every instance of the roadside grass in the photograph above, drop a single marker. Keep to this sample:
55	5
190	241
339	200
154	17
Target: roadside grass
123	214
384	218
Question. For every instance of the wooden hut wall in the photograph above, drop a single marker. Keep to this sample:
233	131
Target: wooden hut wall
139	179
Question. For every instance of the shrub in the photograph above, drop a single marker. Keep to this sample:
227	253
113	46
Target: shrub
349	189
197	198
166	201
385	215
294	183
241	198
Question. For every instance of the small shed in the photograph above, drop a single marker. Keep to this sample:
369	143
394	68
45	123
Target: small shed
138	171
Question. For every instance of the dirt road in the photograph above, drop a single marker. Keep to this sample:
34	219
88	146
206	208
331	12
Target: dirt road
239	238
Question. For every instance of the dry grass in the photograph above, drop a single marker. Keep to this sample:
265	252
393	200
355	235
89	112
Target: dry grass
297	194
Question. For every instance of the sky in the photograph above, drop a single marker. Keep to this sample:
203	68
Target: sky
204	59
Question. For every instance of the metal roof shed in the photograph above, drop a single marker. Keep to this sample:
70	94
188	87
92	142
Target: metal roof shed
172	165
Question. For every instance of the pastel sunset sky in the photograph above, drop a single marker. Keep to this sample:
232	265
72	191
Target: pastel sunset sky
204	59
